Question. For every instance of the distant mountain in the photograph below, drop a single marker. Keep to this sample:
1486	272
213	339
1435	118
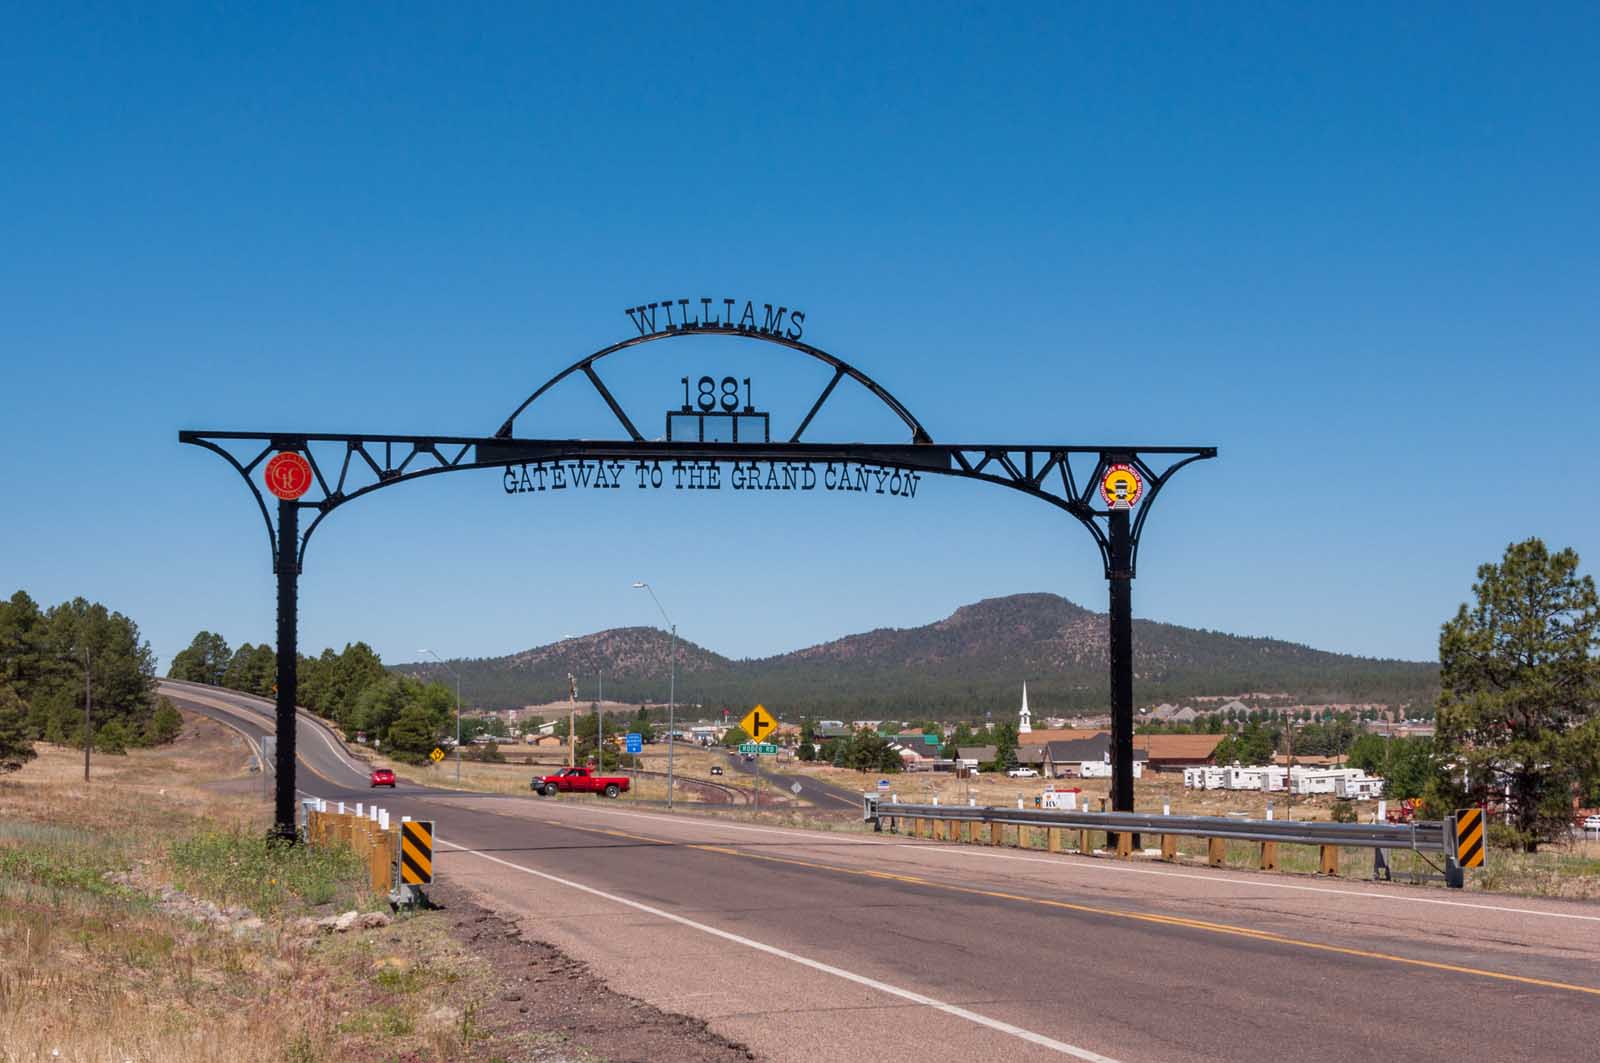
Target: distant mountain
972	661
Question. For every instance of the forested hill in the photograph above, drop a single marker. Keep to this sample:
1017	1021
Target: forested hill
972	661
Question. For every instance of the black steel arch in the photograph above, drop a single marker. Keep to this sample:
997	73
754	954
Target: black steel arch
361	463
840	367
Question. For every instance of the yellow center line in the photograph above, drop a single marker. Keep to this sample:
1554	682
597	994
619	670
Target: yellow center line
1114	913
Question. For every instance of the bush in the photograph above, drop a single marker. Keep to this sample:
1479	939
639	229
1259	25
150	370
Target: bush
165	725
1343	812
112	738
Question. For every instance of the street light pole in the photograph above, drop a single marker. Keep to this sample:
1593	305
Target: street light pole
453	672
672	684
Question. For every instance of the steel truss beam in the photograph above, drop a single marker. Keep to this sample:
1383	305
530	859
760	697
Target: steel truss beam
350	465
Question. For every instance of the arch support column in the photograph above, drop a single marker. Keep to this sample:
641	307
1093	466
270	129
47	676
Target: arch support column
286	564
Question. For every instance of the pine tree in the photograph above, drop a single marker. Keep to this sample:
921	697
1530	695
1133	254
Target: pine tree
1520	685
16	745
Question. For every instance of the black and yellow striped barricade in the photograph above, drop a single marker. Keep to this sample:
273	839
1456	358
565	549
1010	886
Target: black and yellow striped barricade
416	852
1469	840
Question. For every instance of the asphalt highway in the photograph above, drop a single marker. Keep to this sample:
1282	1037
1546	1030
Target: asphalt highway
826	796
817	946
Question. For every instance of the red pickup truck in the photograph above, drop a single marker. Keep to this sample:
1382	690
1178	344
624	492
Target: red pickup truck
579	781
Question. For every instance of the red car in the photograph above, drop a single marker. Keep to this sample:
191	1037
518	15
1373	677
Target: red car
382	777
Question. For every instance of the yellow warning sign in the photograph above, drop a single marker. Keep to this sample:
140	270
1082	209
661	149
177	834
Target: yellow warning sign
437	755
1469	837
416	852
1121	486
758	723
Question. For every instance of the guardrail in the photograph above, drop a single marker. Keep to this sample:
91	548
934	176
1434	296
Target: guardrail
397	854
987	826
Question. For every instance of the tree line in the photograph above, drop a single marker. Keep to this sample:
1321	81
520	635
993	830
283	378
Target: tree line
403	716
53	661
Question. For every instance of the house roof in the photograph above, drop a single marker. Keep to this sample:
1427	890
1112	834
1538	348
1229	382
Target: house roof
1180	747
981	754
1064	734
1031	753
1095	747
1305	761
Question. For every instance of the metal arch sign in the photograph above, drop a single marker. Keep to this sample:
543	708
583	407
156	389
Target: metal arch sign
288	475
715	437
1121	487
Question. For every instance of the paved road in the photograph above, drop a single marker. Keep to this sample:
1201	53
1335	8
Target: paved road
811	946
826	796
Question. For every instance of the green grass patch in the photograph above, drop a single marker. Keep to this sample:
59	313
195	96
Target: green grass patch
266	874
392	1021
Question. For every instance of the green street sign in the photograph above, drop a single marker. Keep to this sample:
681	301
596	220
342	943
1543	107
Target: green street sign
765	749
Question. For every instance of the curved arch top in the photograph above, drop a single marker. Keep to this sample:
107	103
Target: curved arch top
840	367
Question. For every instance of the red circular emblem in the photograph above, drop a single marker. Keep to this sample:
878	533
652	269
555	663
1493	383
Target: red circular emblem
288	475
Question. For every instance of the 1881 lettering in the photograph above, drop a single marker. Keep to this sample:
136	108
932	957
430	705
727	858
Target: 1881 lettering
712	394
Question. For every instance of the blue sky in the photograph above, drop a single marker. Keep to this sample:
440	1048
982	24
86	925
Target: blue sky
1353	248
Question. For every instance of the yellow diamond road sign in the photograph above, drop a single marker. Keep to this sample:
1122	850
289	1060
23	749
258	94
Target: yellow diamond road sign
437	755
758	723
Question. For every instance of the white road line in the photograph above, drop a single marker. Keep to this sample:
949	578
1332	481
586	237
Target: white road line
816	965
1104	866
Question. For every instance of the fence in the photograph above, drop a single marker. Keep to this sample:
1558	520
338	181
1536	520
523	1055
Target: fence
987	826
365	830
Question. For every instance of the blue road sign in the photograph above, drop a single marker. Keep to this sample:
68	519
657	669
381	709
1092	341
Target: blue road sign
883	784
635	742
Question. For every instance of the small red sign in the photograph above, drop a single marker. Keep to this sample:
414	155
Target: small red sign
288	475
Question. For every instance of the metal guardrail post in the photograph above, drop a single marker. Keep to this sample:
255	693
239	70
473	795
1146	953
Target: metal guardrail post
1455	876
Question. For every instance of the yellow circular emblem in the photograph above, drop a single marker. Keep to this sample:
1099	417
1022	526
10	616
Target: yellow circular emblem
1121	486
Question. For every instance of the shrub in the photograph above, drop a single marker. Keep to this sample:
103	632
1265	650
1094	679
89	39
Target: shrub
165	725
112	738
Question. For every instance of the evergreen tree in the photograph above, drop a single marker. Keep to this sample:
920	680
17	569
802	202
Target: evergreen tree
1520	684
165	725
16	745
205	660
412	736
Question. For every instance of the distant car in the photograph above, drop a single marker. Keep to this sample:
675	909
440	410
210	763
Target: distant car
1022	773
382	777
716	769
1591	823
748	757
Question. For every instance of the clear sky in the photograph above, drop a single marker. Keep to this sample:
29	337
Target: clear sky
1352	246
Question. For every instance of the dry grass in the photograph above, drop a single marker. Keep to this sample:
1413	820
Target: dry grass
92	971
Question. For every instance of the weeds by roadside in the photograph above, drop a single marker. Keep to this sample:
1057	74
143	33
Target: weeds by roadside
238	867
146	918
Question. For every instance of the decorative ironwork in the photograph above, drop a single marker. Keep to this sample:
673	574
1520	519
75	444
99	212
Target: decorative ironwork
1071	477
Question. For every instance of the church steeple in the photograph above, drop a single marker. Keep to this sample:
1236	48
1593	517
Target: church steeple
1024	721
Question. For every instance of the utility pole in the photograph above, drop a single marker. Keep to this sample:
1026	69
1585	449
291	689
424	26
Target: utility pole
572	721
672	684
600	721
88	701
457	675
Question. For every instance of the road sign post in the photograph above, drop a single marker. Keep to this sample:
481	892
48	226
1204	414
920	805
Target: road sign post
633	741
758	723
